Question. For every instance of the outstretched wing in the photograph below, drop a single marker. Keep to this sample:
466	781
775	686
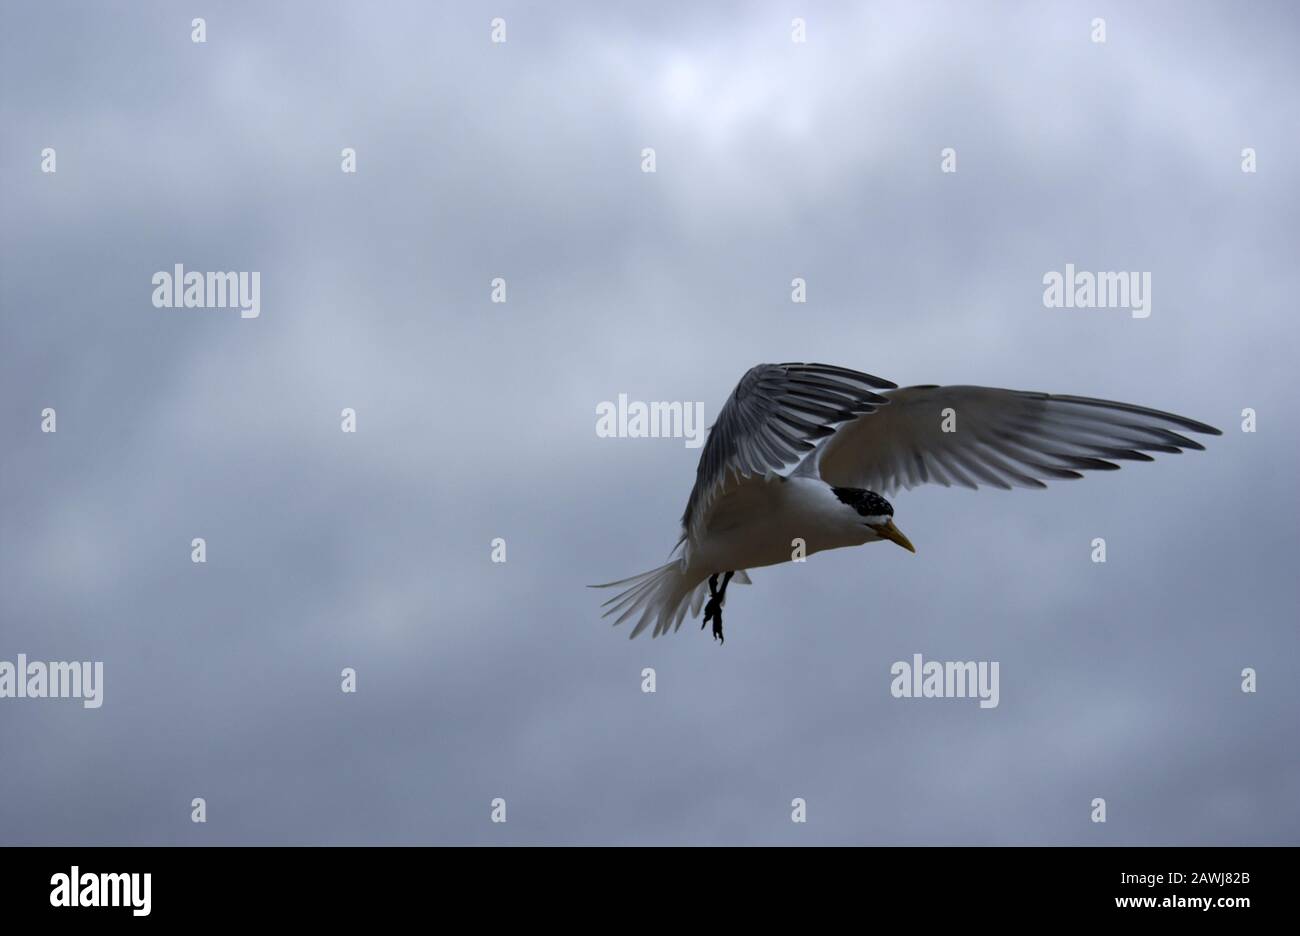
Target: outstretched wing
1000	438
771	421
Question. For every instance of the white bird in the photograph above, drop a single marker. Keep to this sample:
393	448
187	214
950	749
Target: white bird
805	452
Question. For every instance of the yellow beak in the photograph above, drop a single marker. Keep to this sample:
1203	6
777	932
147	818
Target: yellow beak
894	535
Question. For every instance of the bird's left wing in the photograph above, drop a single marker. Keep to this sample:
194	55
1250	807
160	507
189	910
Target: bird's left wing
771	421
976	436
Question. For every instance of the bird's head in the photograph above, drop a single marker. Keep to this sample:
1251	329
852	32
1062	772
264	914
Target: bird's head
877	514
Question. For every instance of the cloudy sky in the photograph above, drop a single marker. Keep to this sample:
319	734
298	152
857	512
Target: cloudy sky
476	420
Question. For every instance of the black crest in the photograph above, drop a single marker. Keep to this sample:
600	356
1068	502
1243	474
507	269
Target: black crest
867	503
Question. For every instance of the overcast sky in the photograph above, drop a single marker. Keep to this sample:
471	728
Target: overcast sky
476	420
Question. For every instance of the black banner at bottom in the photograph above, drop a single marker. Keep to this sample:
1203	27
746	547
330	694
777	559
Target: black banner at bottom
179	885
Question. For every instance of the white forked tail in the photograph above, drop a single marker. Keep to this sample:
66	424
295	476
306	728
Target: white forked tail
662	596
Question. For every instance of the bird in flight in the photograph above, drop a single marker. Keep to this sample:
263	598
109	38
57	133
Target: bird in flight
804	454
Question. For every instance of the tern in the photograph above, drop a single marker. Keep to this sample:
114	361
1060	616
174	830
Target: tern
802	455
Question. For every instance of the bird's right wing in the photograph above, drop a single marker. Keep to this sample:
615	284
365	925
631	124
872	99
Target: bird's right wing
771	421
978	436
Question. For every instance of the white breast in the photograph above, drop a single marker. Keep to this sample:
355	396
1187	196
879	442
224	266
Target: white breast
761	522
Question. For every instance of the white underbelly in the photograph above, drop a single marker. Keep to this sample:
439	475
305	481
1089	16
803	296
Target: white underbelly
774	522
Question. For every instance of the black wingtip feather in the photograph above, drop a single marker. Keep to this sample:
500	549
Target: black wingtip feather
1191	425
870	380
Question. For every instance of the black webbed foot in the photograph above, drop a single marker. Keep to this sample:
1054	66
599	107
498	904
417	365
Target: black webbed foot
713	610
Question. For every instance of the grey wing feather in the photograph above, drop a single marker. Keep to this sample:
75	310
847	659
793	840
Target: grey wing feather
1000	438
774	418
